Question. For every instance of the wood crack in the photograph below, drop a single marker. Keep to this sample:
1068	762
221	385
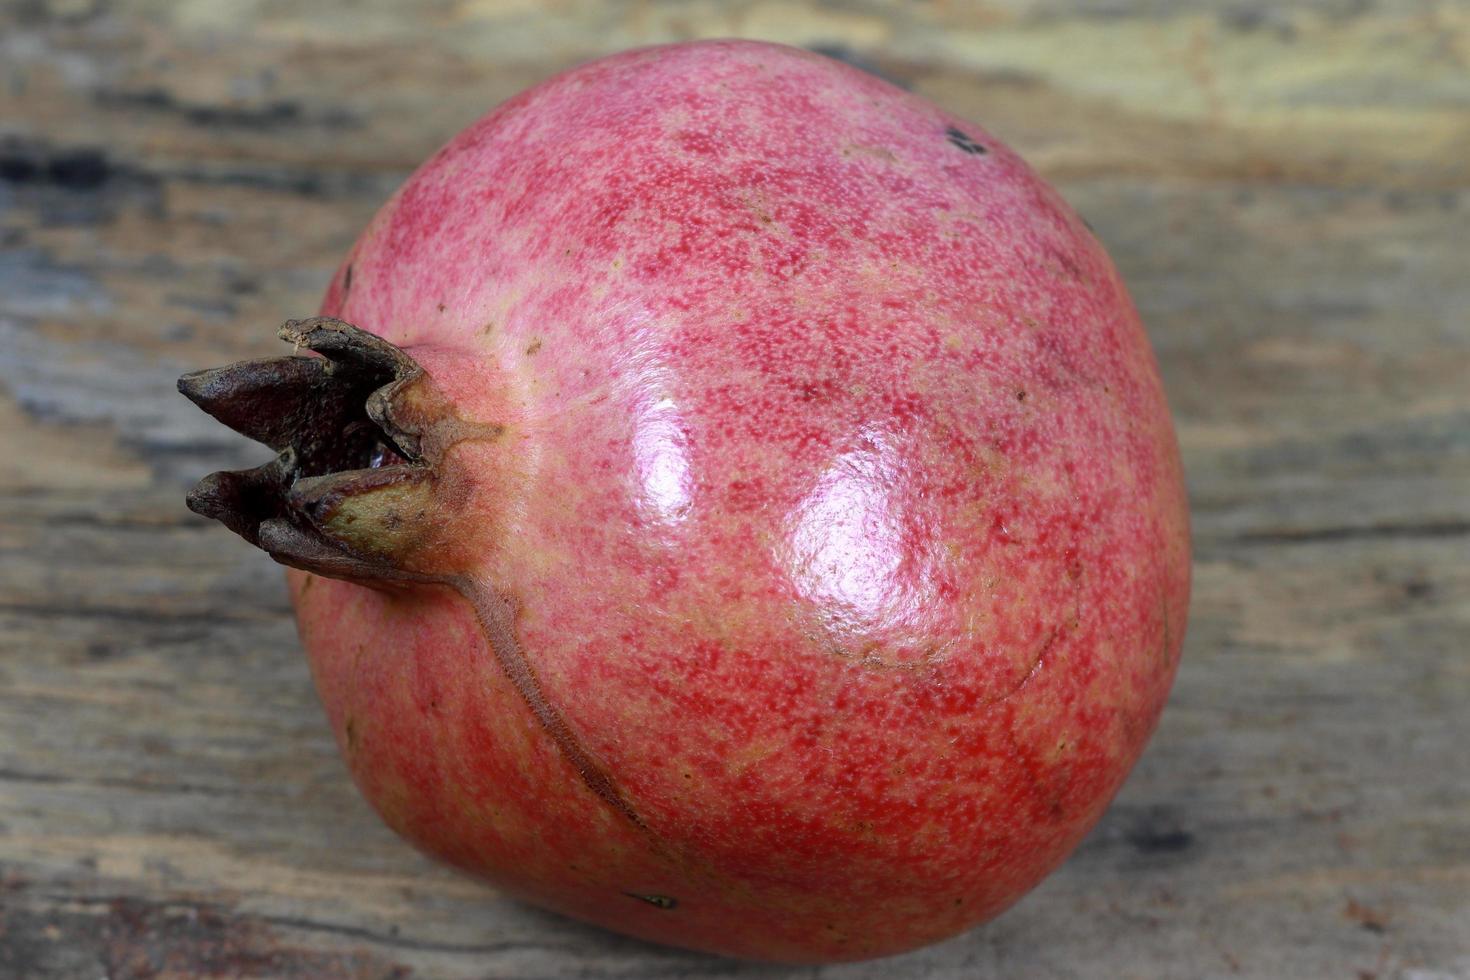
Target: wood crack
1366	532
184	905
139	785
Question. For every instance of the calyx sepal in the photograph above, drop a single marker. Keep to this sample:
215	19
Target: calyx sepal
357	489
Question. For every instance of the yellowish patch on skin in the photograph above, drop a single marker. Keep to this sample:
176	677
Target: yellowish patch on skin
878	152
758	204
752	753
391	519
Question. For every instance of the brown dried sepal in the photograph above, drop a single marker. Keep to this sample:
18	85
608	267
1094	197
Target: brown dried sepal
360	435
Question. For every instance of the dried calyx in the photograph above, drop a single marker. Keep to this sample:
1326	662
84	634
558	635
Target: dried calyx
364	488
357	488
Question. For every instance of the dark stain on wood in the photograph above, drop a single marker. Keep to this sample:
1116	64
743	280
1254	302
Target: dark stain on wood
74	168
1161	836
862	61
271	114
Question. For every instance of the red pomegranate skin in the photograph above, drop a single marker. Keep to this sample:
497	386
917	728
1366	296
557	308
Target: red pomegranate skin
837	515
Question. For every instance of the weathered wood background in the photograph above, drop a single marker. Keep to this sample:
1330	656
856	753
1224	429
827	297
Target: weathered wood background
1286	191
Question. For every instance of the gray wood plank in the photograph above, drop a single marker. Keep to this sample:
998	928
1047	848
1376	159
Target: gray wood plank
1284	188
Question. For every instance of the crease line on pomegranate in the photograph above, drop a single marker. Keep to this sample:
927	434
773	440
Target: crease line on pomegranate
496	617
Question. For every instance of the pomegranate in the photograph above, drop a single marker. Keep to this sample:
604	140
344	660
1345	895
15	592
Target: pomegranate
732	501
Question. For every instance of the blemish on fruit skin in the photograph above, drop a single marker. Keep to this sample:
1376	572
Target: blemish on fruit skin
657	901
533	347
961	139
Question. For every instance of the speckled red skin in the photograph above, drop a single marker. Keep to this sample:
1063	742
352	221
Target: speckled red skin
839	508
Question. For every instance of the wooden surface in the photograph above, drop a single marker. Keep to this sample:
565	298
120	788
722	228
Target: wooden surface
1287	194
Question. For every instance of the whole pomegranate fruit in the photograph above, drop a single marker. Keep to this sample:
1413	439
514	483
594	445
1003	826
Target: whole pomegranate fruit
745	512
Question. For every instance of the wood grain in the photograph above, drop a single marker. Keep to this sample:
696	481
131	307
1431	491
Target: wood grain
1286	190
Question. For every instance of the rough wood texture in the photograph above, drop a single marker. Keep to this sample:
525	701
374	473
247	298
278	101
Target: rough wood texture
1287	194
